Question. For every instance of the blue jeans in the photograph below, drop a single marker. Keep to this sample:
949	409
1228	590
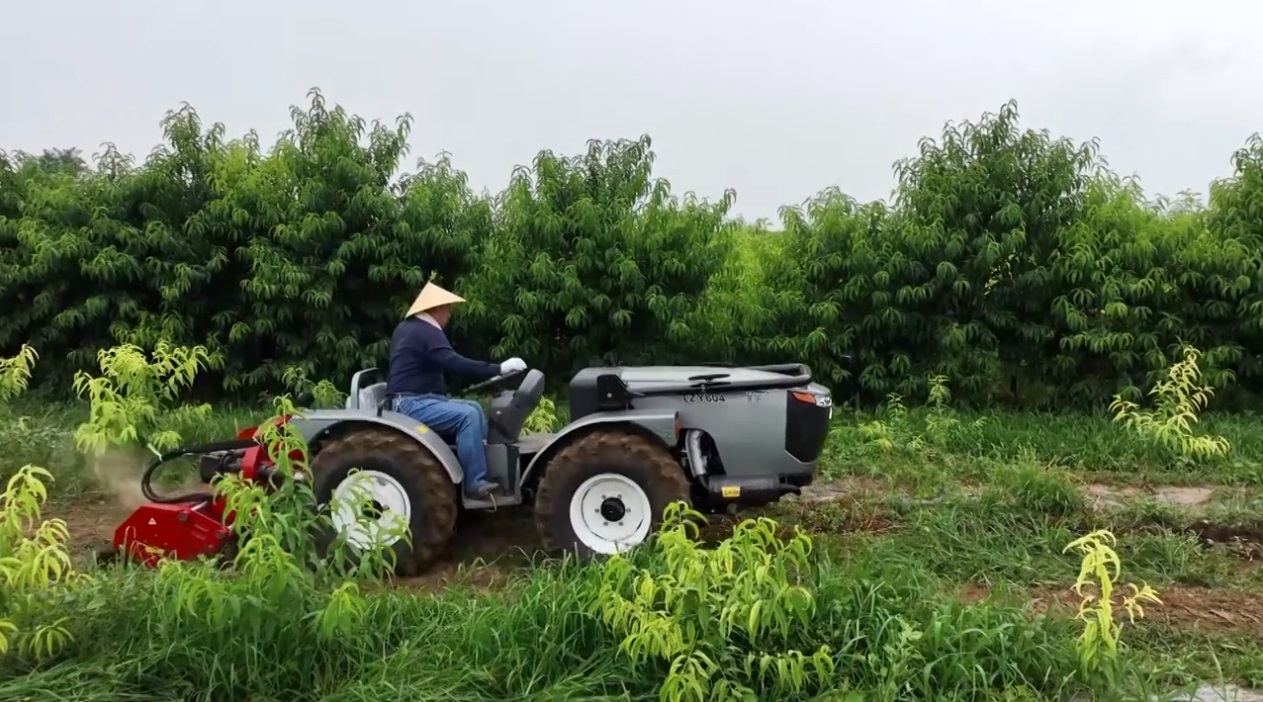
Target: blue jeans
460	418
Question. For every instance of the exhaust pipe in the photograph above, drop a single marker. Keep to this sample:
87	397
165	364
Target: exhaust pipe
693	449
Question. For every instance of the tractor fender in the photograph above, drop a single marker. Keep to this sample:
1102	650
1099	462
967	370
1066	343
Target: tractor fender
320	424
662	425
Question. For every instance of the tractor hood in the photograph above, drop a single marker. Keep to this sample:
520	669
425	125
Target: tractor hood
650	377
659	380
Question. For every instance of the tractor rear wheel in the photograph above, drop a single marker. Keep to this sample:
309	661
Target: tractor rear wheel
606	493
406	483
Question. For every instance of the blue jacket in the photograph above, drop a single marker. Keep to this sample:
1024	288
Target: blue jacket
419	356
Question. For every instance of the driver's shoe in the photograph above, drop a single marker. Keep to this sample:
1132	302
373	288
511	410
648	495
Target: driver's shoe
482	490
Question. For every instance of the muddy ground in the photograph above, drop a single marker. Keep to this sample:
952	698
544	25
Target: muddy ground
492	547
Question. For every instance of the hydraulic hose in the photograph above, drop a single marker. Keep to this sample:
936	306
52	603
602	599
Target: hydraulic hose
146	480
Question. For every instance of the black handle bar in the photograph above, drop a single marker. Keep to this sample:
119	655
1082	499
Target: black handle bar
489	382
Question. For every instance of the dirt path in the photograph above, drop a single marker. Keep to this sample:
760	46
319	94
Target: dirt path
491	547
1199	610
90	523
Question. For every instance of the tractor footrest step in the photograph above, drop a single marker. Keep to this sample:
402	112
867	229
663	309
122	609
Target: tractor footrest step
491	503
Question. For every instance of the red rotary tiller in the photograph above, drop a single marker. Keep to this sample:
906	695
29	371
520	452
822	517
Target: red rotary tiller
192	525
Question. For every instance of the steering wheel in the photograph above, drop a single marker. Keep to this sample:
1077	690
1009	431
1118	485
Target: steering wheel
490	382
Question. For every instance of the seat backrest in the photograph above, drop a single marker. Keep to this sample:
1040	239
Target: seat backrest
512	416
371	395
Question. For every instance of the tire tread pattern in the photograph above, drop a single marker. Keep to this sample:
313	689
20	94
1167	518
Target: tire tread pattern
438	512
575	462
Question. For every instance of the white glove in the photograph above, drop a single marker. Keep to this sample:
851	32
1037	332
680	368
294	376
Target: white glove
512	365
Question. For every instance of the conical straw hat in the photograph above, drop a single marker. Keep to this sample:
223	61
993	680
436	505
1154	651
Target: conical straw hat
432	296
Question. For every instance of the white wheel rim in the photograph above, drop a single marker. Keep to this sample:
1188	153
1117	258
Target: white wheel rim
364	488
597	530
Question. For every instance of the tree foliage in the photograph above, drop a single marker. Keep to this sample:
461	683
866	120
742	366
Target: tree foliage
1012	262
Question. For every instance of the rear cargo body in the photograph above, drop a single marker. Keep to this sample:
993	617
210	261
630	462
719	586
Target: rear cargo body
760	421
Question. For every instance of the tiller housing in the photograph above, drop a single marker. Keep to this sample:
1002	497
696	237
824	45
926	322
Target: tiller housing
192	525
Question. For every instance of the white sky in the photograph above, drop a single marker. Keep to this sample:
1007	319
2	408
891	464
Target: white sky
775	99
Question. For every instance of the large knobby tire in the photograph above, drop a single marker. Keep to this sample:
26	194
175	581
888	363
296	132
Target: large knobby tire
587	481
406	471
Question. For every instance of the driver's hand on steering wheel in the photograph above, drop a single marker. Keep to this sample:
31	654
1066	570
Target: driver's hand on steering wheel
513	365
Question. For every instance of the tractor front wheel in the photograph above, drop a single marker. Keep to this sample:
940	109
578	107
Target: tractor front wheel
606	493
405	485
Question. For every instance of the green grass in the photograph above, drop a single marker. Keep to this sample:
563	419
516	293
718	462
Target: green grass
945	529
537	644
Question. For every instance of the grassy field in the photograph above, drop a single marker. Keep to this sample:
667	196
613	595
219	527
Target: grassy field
939	572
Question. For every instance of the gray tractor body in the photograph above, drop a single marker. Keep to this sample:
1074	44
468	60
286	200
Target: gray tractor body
744	436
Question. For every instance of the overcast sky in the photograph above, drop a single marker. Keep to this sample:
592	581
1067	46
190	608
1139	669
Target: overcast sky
775	99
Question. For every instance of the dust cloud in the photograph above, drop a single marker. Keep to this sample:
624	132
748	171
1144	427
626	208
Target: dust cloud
118	472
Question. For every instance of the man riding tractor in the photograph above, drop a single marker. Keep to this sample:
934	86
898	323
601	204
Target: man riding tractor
640	438
419	356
